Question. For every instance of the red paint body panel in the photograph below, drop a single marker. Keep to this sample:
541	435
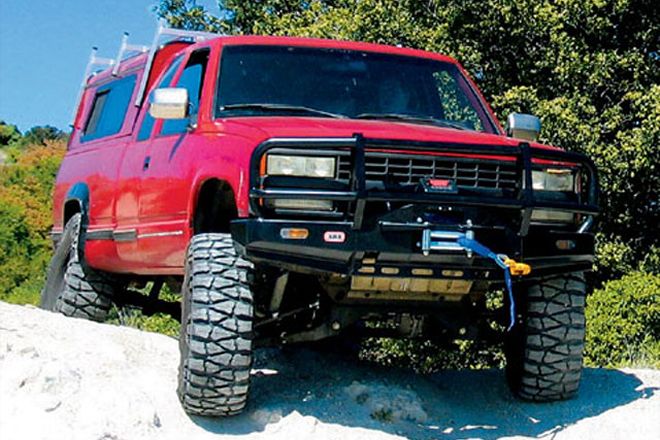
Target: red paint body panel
157	203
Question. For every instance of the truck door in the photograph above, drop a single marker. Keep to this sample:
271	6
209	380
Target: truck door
166	176
131	175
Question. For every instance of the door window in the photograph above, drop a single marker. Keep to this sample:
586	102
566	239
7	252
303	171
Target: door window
191	79
148	120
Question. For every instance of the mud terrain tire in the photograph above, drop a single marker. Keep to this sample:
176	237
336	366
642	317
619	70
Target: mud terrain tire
544	352
216	328
72	288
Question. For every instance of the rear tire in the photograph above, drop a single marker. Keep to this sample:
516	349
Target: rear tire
544	353
216	328
72	288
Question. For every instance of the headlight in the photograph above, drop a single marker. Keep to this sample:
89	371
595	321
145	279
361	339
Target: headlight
551	179
301	166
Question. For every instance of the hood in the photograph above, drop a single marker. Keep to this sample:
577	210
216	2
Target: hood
259	129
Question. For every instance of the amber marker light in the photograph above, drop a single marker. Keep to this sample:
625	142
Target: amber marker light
294	233
565	245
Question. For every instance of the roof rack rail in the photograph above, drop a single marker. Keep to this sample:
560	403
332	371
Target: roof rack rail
93	61
161	31
126	48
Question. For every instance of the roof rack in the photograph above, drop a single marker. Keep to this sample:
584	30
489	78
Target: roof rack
161	31
125	48
93	61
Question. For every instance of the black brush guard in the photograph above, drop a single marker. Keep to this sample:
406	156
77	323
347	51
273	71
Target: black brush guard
259	237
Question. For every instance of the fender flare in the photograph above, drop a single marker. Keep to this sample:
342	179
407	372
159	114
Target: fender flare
78	193
201	179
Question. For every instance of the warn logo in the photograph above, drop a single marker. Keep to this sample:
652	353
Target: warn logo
334	237
439	185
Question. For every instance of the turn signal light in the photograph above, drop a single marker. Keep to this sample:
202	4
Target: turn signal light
565	245
294	233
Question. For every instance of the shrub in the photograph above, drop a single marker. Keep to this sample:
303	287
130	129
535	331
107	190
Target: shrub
26	184
623	322
157	323
425	356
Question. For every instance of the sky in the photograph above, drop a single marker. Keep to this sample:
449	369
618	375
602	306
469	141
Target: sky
45	46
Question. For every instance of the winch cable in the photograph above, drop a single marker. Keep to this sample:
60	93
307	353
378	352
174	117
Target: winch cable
507	264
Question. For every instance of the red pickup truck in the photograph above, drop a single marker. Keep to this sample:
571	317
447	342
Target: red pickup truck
294	189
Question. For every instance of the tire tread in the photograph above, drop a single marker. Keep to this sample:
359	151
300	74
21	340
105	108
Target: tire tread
552	341
86	293
216	333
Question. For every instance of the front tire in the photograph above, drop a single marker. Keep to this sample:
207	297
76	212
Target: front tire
544	352
216	328
72	288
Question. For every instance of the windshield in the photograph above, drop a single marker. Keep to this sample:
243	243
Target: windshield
301	81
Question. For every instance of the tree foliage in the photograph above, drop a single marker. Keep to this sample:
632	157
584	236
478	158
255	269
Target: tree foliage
9	134
624	322
41	134
186	14
26	184
11	137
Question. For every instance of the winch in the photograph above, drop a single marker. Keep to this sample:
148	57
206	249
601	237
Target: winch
444	241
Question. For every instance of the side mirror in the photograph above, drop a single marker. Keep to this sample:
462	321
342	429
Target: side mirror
522	126
169	103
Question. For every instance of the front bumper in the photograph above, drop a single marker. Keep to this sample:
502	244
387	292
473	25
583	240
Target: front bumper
385	248
389	242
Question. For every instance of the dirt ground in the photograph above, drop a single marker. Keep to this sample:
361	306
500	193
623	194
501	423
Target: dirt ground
63	378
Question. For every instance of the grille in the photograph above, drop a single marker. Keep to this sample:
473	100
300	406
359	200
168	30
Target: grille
397	169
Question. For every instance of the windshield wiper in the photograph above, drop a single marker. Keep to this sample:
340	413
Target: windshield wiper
412	119
280	108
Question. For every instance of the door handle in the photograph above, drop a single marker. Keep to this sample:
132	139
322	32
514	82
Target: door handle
147	162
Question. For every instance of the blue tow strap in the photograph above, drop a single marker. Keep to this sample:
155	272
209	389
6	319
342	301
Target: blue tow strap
482	250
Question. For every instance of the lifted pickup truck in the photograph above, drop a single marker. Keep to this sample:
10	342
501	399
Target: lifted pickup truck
294	189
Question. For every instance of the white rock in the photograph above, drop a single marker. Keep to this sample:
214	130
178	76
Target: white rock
64	378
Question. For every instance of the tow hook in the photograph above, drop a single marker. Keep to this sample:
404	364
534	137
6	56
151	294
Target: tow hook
516	268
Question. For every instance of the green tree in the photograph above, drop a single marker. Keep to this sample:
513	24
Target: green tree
26	186
187	14
40	134
9	134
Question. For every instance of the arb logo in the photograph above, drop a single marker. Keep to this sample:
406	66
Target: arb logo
334	237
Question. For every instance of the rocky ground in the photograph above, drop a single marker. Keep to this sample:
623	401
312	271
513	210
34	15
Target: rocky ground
63	378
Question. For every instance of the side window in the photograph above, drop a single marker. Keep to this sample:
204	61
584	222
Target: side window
148	121
192	79
109	109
